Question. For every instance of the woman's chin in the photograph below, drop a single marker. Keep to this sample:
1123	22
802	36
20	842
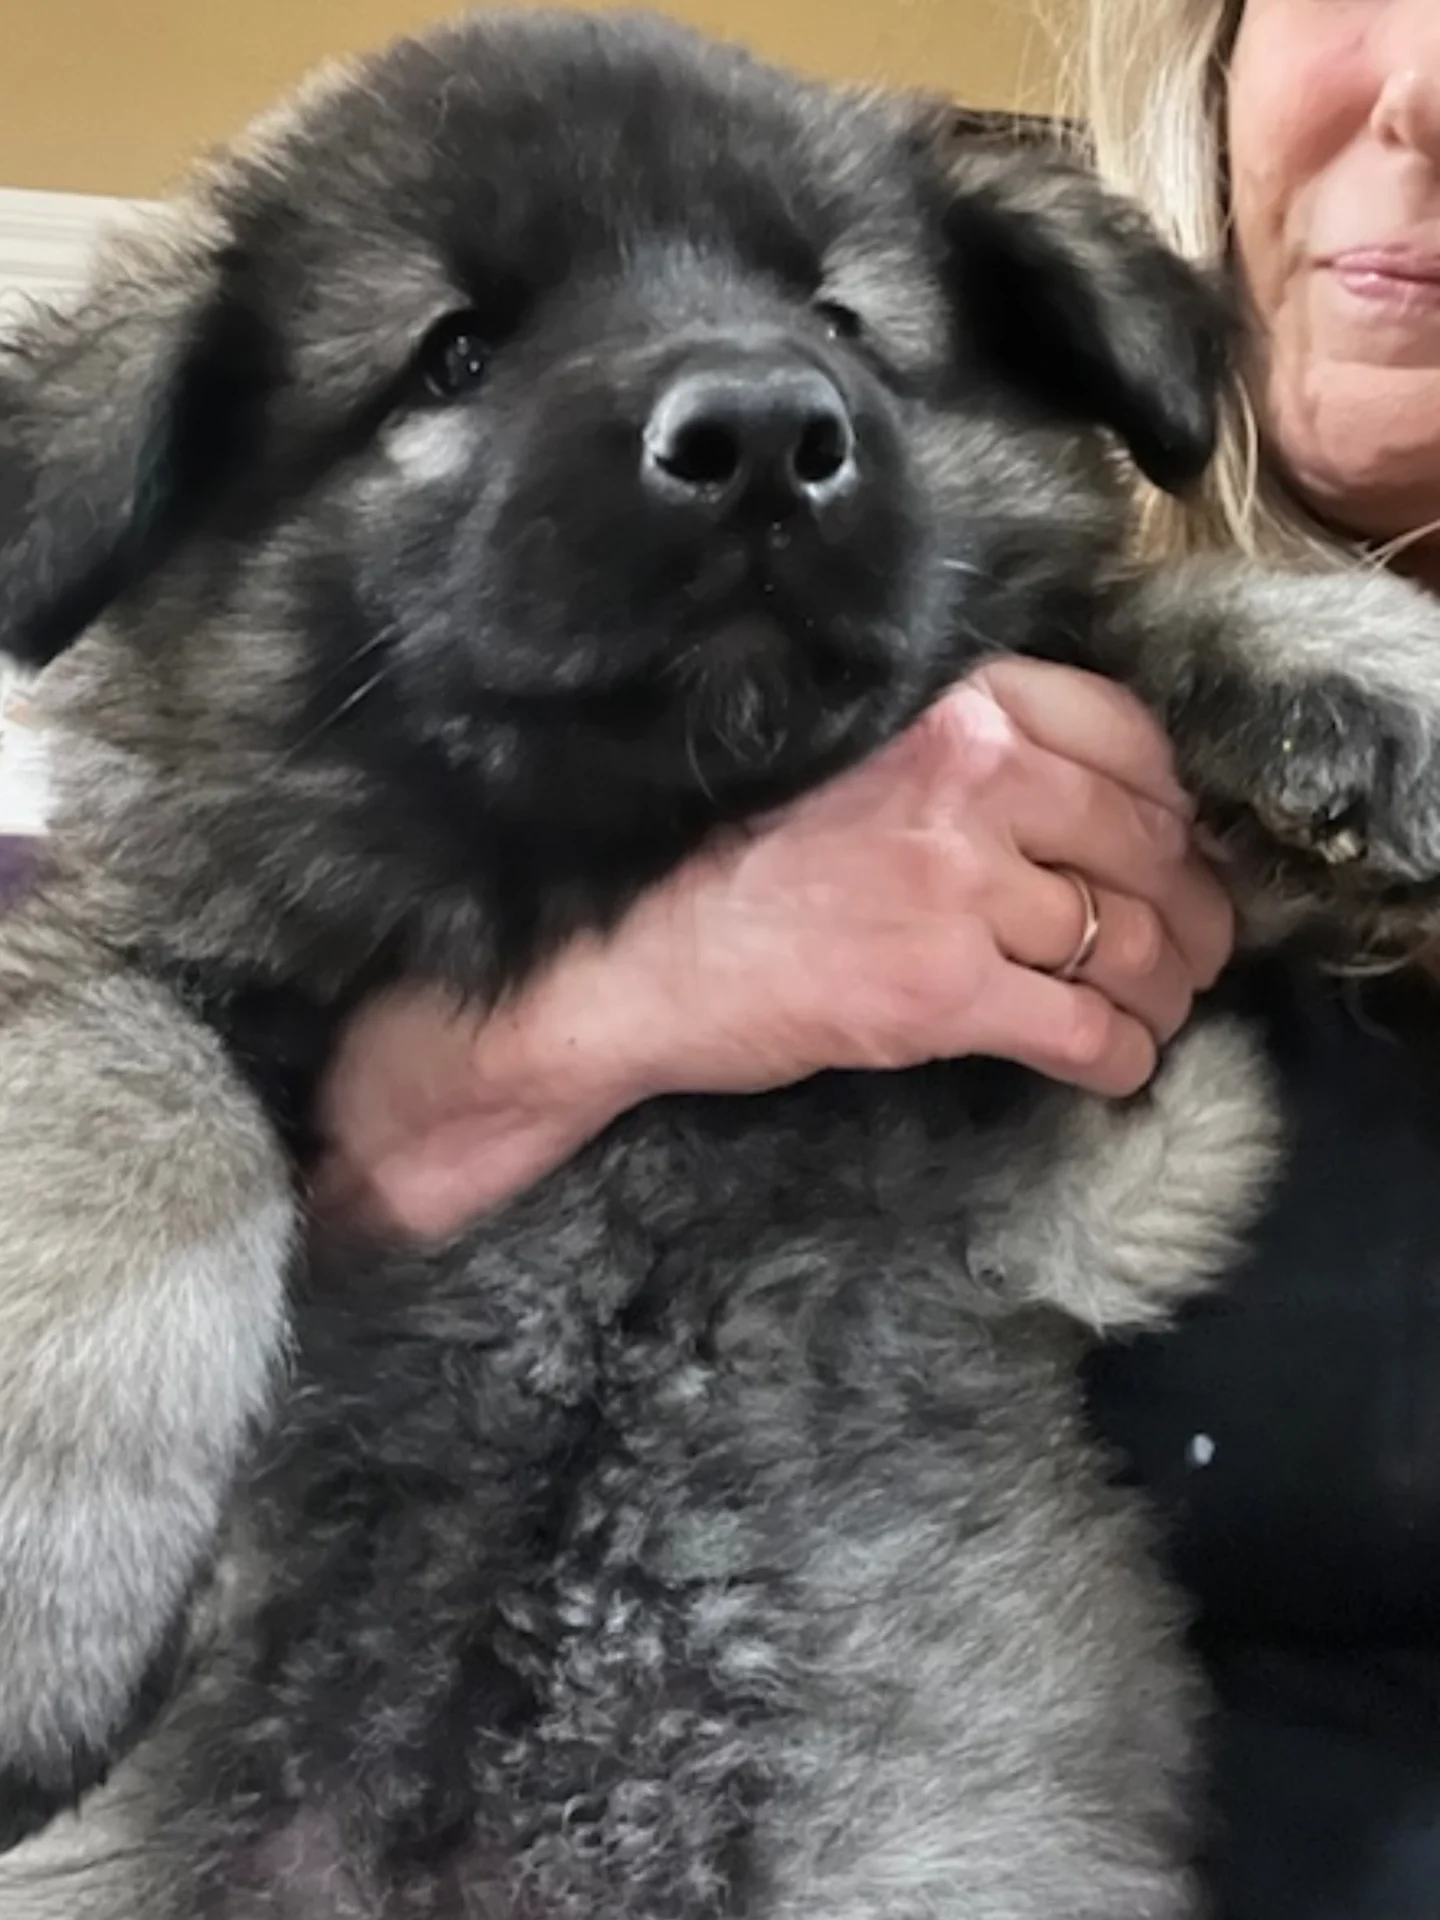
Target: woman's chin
1358	443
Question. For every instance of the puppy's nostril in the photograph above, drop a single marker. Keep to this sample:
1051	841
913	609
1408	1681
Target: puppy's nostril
703	455
824	448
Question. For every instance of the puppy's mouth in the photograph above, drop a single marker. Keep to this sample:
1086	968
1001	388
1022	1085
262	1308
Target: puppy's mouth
759	608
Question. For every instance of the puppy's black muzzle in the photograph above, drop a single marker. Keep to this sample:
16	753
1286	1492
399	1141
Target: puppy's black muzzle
709	549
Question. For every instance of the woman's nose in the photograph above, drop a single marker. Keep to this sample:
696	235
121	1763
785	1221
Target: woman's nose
1407	106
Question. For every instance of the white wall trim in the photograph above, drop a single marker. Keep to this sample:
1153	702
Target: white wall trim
45	242
45	238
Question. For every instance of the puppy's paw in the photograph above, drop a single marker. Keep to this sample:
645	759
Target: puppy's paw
145	1231
56	1766
1118	1212
1329	773
1315	728
117	1470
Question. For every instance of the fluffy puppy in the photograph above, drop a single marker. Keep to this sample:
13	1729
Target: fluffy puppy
536	449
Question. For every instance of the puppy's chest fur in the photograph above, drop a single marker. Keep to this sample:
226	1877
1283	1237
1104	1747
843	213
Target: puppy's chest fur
680	1541
700	1519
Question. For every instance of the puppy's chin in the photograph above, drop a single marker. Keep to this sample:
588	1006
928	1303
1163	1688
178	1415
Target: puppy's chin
761	699
741	706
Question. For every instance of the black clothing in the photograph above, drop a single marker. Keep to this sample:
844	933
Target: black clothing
1290	1432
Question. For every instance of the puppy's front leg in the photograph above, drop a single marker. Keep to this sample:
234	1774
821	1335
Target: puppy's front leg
146	1222
1305	711
1118	1212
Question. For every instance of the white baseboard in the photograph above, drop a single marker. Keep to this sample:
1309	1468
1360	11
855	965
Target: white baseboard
45	238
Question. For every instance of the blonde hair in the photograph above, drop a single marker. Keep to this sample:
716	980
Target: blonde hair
1148	89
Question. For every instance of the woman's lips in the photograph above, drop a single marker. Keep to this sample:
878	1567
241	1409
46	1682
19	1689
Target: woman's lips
1399	278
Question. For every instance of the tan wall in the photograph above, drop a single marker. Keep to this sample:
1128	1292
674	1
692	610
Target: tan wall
111	96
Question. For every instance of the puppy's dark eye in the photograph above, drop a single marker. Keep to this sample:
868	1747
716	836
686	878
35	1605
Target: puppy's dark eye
455	356
840	322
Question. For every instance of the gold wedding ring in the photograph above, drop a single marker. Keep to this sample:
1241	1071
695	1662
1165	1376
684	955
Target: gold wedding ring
1089	933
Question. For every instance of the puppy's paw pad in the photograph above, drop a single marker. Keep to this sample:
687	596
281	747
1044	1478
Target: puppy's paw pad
1329	771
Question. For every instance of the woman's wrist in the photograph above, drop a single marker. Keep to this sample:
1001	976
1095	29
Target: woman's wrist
552	1057
600	1029
434	1116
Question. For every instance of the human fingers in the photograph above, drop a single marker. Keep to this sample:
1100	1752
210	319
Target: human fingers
1044	921
1068	1031
1062	815
1083	717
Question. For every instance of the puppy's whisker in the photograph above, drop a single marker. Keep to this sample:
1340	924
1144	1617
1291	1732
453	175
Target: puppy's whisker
967	628
692	756
354	657
685	666
338	713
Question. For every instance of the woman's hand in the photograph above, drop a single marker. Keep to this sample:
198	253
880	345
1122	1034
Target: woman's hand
911	910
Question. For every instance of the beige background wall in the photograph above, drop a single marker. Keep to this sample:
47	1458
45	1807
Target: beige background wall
111	96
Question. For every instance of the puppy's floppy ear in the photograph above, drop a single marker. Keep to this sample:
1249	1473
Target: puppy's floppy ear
1069	295
116	420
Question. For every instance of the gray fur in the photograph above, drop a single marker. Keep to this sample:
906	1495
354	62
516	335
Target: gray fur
1307	652
713	1531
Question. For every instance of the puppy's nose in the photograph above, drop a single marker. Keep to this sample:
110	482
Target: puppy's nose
777	436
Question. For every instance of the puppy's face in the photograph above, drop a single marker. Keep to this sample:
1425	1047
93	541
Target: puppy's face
640	367
586	428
